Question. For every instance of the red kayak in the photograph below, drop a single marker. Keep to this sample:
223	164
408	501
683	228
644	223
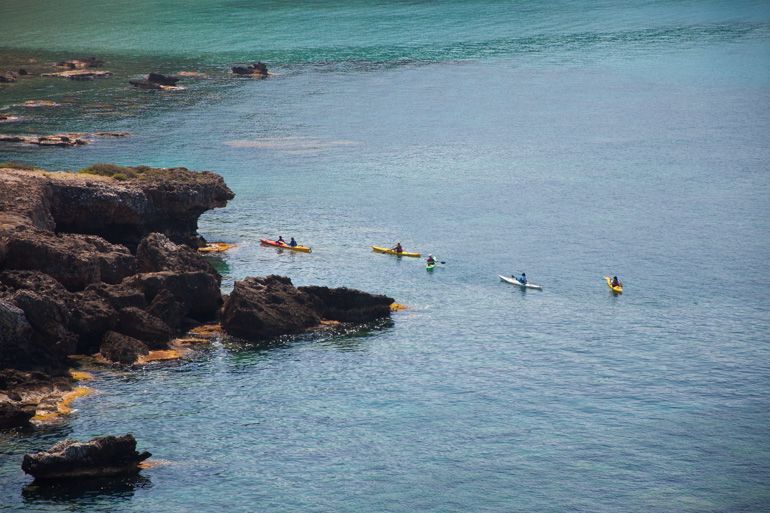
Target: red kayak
276	244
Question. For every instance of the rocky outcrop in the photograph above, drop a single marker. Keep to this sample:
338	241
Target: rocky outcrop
264	308
156	252
144	326
63	287
16	338
99	457
167	201
15	414
123	349
198	292
22	392
349	305
74	260
257	70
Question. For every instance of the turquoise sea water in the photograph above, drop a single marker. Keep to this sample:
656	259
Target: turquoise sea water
565	139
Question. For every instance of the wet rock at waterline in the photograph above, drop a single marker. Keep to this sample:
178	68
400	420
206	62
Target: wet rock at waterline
100	457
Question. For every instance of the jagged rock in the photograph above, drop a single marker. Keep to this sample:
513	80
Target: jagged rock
119	296
349	305
22	392
197	291
156	252
15	413
144	326
125	212
32	280
99	457
63	286
16	347
74	260
165	307
90	317
170	202
257	69
49	317
45	303
263	308
120	348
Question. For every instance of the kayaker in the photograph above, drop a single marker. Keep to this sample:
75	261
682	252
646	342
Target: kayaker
431	260
280	240
615	281
523	278
293	243
398	248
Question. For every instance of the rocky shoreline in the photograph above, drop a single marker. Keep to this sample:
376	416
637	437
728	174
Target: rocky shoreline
104	262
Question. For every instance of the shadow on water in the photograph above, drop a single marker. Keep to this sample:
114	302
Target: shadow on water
219	263
345	337
94	490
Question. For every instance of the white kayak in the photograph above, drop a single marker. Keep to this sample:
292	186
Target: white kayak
514	281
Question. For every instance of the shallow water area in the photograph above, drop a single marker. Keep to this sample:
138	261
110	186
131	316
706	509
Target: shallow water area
567	140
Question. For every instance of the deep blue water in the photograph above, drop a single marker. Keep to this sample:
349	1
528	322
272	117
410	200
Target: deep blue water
565	139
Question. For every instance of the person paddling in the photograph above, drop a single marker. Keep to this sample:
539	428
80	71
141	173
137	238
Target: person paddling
397	248
522	279
615	281
431	260
293	243
280	240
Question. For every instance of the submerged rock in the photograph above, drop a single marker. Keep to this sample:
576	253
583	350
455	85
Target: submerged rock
156	81
86	62
257	69
79	74
99	457
7	77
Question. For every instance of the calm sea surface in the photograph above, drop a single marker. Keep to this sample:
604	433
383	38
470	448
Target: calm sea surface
565	139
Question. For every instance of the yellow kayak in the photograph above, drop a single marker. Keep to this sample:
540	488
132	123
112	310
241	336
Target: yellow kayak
618	289
389	251
216	247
